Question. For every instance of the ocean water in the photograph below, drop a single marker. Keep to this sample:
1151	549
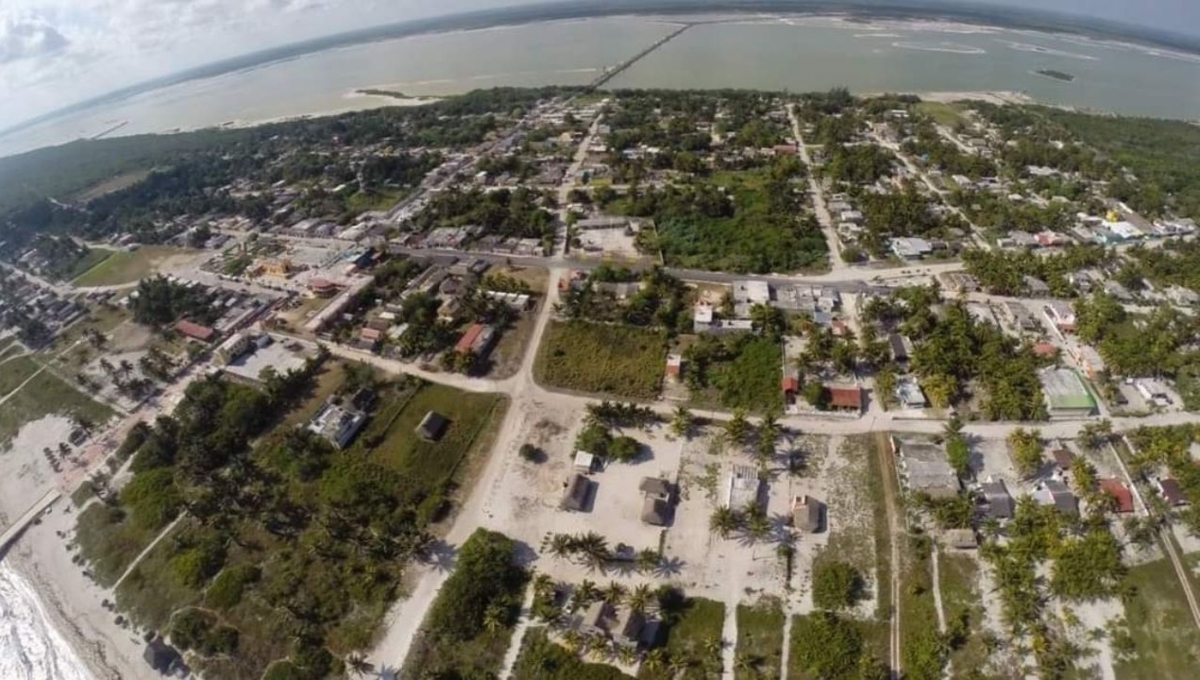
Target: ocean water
30	646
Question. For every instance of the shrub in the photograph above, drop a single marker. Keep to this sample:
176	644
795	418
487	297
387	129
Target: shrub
530	453
836	585
227	588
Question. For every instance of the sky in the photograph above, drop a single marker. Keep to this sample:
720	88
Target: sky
57	52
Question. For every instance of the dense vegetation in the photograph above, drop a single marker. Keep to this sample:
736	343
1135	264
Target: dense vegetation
160	302
542	659
469	624
296	546
659	301
189	169
1002	272
742	371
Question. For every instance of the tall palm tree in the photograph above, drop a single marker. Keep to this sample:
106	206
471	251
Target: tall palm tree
493	618
737	427
560	546
594	549
613	593
681	422
543	585
758	525
648	559
572	640
584	594
359	665
655	660
640	597
723	521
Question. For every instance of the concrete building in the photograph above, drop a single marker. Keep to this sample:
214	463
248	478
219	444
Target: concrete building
925	468
911	248
751	292
742	489
432	426
997	502
234	346
909	393
1061	315
1065	393
1054	492
337	423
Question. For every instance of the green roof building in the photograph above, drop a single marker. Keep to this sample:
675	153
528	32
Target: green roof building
1066	394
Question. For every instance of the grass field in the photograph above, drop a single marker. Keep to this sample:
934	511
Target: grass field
152	592
693	630
428	464
1157	617
46	395
15	372
623	361
760	639
125	266
9	349
942	113
93	258
99	318
377	200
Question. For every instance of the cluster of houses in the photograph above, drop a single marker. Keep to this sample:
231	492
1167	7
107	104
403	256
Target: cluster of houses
26	298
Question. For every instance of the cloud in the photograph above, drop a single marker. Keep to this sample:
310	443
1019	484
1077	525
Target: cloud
29	39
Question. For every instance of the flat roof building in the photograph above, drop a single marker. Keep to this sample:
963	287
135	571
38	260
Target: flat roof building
1065	394
926	468
337	423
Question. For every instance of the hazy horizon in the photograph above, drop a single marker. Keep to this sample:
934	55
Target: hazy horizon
51	57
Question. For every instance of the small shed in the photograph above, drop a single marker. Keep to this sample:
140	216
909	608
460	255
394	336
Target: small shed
960	539
655	487
1063	459
162	657
656	511
807	513
1171	492
432	426
579	488
585	462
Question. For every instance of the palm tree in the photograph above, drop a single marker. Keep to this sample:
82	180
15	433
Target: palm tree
723	521
359	665
747	663
572	640
594	548
126	367
561	546
584	593
493	618
639	598
648	559
758	525
655	660
737	427
681	423
543	585
596	646
613	593
677	665
712	647
626	655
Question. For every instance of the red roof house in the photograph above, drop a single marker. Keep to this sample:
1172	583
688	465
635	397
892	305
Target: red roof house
1120	493
467	341
1044	349
194	330
846	398
790	384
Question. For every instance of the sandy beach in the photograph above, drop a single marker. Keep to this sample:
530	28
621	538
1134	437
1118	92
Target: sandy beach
72	601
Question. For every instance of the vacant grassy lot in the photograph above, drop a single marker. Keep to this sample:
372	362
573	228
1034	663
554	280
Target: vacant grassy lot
760	640
693	635
1164	635
543	659
825	645
152	591
623	361
423	463
98	318
125	266
958	577
921	646
15	372
93	258
46	395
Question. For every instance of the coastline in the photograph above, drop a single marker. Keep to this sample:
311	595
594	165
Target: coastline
70	601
